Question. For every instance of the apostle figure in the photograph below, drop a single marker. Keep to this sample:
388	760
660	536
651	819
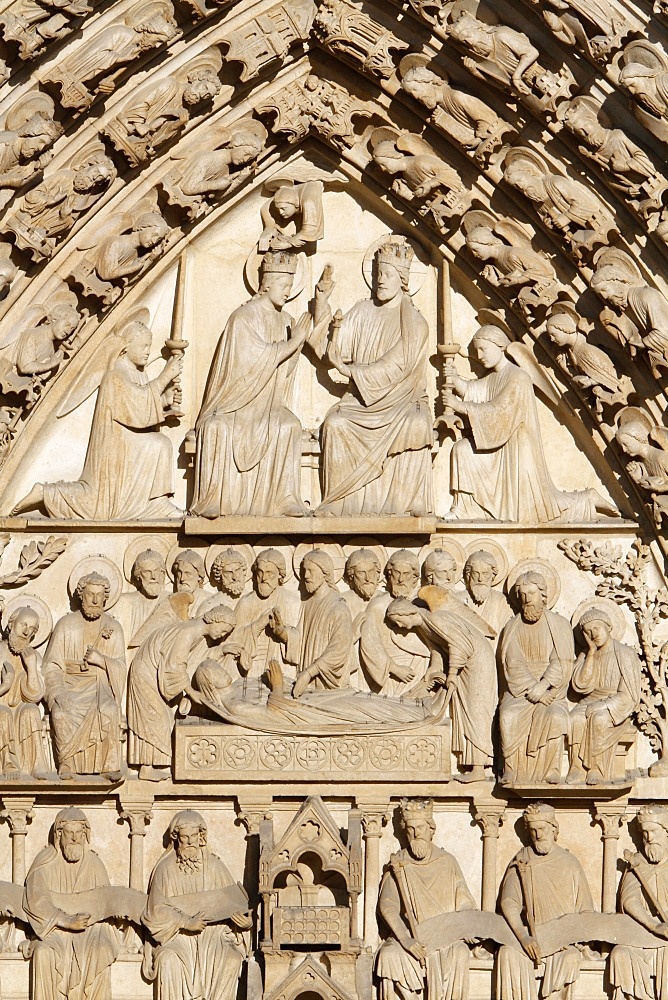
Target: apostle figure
377	440
160	672
480	573
500	472
421	882
609	678
84	674
248	440
71	956
148	575
542	882
194	956
128	471
537	653
362	574
189	599
643	895
393	659
439	572
229	572
21	690
269	573
321	644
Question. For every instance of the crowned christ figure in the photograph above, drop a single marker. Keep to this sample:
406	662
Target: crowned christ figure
376	441
248	449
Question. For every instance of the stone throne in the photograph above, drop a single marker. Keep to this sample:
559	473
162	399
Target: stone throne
309	884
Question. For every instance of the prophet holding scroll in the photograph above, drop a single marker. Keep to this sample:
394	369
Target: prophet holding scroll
248	441
376	441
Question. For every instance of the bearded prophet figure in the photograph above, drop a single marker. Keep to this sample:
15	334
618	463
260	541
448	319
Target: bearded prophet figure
269	573
422	881
191	957
642	973
542	882
71	957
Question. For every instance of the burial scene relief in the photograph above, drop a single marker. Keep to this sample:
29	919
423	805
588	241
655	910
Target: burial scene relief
333	500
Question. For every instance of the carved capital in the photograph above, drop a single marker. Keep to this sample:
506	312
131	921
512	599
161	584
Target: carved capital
18	813
373	823
138	818
610	820
490	819
251	819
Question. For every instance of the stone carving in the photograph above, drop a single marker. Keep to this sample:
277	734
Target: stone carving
642	895
589	367
392	660
84	674
346	29
37	345
636	314
321	644
269	593
72	951
214	166
537	654
248	440
459	115
422	880
542	882
121	250
469	679
419	174
29	131
630	170
505	436
563	204
318	105
362	574
262	40
189	599
590	24
482	571
644	73
34	24
48	212
300	203
22	689
160	673
128	468
35	557
510	261
608	676
229	573
95	65
197	948
645	445
376	441
159	110
147	572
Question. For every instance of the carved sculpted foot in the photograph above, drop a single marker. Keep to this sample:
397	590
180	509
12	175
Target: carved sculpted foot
575	776
30	502
148	773
553	777
477	773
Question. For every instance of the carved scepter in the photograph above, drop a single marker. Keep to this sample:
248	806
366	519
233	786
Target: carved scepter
447	350
175	343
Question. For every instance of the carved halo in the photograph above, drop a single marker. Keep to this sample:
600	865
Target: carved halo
634	415
545	569
417	60
32	104
498	551
522	154
332	548
140	544
611	257
104	566
281	545
445	545
241	547
612	610
37	605
418	268
252	272
644	53
364	542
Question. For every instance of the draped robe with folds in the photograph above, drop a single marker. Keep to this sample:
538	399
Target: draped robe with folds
382	646
557	885
532	734
67	965
86	719
248	441
322	641
648	309
503	474
251	607
128	468
642	972
431	887
206	965
20	718
376	442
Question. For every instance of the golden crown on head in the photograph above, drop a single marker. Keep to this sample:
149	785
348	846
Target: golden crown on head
278	262
416	809
399	255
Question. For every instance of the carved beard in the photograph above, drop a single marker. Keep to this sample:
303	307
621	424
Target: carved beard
17	643
655	853
264	590
92	614
479	592
364	590
532	613
542	846
189	859
234	589
419	848
73	852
